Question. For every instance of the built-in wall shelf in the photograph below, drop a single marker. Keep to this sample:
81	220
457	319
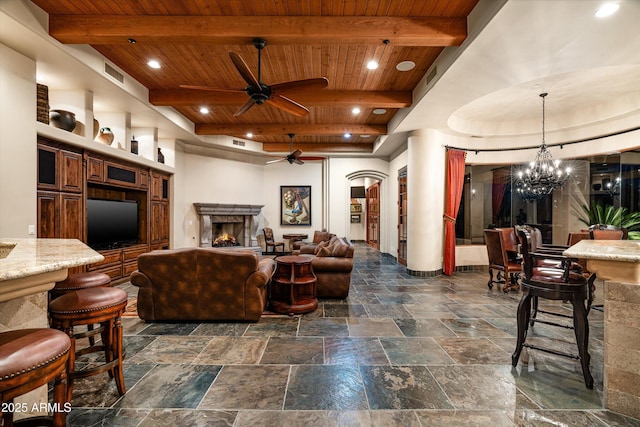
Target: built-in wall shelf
63	136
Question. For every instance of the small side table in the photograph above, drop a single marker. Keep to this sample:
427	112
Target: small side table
293	286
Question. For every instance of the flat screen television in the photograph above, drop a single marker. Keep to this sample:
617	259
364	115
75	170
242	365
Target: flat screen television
358	192
111	223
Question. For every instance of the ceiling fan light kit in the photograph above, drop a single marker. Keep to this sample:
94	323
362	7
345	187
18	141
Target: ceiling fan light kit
260	93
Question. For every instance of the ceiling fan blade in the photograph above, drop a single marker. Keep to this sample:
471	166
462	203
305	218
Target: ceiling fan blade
312	158
288	105
298	86
276	160
250	103
296	154
244	70
213	89
298	162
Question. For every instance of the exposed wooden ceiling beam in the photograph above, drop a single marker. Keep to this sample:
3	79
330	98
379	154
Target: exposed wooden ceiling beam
281	147
320	98
290	30
285	129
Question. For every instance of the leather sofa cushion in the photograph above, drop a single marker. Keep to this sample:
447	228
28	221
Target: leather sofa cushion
321	236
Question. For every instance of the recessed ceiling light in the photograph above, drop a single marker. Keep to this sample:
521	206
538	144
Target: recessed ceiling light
249	135
204	110
365	136
153	64
355	110
372	65
379	111
406	66
607	9
347	135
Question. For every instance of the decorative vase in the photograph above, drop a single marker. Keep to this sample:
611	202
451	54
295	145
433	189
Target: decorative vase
134	144
160	156
96	127
105	136
62	119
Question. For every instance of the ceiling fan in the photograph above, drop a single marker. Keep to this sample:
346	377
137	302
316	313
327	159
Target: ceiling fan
294	156
259	93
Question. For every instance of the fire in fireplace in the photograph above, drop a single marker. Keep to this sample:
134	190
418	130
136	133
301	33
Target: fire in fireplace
224	241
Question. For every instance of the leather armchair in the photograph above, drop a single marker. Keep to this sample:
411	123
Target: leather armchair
202	284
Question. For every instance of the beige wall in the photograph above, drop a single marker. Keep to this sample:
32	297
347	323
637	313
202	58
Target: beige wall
18	152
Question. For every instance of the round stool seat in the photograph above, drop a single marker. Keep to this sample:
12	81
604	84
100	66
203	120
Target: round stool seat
84	304
26	350
77	281
29	359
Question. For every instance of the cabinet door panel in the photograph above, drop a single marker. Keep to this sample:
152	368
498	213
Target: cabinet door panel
47	169
71	216
70	172
95	169
159	222
48	214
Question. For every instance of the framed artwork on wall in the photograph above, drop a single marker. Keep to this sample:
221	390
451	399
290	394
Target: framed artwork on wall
295	205
355	218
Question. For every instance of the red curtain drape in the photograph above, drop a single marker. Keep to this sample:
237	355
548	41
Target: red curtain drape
455	182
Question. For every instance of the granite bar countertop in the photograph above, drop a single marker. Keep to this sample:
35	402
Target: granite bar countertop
31	257
606	250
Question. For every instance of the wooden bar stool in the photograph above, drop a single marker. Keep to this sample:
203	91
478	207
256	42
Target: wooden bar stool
31	358
103	306
78	281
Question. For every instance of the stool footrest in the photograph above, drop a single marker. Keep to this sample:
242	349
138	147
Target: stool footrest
546	322
548	350
92	371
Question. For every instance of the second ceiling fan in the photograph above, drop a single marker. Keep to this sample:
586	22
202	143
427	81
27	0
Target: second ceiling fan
260	93
295	156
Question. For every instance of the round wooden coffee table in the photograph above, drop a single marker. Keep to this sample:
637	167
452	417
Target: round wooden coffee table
293	286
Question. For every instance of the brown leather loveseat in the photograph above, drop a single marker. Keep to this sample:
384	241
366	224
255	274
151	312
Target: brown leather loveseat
332	264
202	284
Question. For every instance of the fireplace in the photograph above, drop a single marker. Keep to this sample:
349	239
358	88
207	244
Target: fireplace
226	222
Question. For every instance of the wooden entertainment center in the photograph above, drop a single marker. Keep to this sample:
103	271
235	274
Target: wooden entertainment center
69	175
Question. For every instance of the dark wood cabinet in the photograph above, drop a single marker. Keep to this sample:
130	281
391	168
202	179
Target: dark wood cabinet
59	169
67	176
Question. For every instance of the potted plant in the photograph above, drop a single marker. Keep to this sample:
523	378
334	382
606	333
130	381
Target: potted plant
610	215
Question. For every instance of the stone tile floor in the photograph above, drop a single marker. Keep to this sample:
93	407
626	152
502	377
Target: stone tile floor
400	351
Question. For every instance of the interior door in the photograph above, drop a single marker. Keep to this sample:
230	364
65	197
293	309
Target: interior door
373	216
402	216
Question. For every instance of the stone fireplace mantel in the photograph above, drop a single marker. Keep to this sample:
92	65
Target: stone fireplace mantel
211	214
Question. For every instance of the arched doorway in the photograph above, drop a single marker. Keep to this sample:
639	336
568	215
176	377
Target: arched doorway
378	180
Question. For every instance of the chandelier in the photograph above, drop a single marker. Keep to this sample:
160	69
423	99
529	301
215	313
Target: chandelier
543	175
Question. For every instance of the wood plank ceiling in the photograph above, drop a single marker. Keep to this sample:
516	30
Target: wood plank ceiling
305	39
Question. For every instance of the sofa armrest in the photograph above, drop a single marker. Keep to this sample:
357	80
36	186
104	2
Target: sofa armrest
140	279
308	249
262	275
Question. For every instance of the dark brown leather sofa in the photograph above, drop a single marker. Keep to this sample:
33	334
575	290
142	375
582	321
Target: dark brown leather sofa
332	264
202	284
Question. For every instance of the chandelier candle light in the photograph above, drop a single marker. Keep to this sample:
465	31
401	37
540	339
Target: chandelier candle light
543	175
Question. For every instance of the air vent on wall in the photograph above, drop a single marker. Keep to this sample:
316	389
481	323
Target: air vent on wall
238	143
109	70
432	75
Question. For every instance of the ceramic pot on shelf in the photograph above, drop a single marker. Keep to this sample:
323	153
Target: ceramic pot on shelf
105	136
160	156
62	119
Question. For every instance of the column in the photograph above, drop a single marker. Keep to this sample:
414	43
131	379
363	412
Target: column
425	195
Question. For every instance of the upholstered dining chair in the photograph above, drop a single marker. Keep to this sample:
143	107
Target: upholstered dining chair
559	284
502	249
270	242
